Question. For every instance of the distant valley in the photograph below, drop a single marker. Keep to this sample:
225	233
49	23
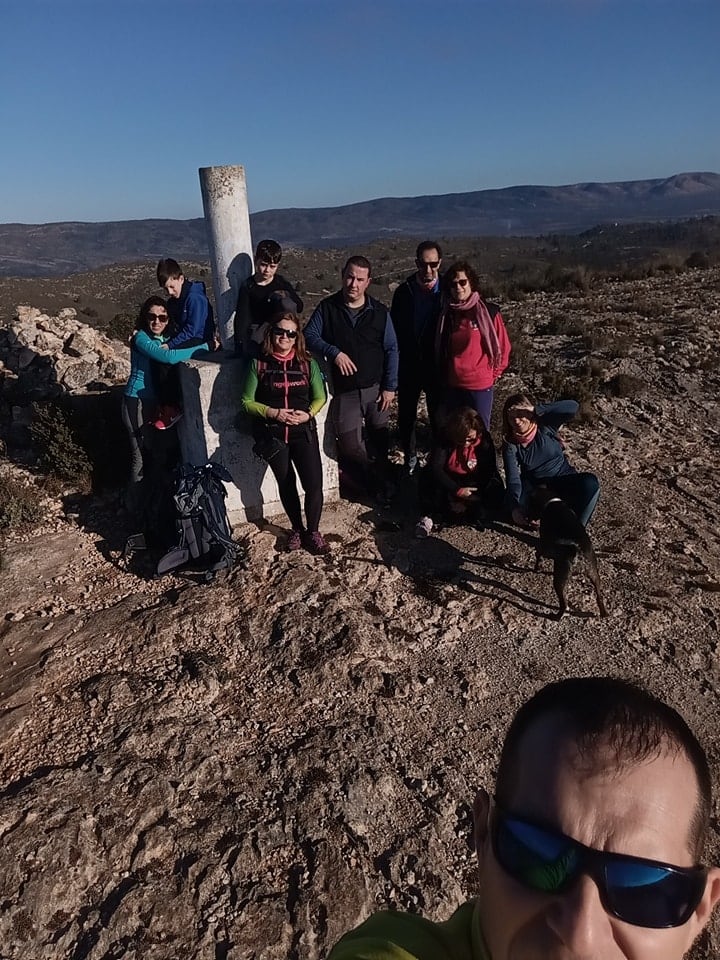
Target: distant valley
60	249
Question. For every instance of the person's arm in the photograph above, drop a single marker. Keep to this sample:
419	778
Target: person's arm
247	399
294	296
390	346
440	477
513	478
318	389
554	415
151	348
503	342
197	306
313	337
398	313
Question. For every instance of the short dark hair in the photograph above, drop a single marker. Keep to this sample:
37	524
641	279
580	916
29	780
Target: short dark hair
168	269
358	261
609	712
268	250
428	245
460	422
143	317
461	266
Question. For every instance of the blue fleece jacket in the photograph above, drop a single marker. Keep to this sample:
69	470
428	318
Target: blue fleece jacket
190	314
143	350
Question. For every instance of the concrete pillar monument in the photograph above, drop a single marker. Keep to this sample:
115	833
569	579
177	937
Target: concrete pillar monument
212	427
225	205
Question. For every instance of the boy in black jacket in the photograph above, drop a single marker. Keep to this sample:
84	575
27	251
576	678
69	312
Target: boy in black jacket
255	297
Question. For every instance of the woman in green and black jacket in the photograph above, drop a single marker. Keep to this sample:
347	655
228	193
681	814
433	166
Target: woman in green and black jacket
284	389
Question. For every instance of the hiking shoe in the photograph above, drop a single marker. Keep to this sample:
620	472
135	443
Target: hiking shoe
316	543
168	416
423	527
294	541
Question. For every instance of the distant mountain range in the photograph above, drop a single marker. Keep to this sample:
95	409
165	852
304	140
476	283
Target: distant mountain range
57	249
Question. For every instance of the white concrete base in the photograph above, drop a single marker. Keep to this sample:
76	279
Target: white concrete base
211	429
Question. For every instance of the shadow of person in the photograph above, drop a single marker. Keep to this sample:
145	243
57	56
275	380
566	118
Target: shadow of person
241	266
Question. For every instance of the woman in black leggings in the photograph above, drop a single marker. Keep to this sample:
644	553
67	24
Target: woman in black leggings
284	389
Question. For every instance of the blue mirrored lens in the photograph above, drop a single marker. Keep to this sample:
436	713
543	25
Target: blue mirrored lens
539	859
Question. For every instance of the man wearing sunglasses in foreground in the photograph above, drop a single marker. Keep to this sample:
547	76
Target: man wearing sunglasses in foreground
590	847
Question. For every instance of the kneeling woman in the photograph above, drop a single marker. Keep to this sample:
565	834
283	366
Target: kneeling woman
284	389
461	477
534	455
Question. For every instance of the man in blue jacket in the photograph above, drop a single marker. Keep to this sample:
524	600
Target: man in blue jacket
354	333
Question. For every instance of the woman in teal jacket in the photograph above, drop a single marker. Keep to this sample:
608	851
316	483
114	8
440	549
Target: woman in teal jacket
139	401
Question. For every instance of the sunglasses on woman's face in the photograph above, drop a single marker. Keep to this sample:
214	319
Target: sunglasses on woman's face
282	332
645	893
158	318
459	283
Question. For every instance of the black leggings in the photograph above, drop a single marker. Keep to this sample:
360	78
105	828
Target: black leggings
301	454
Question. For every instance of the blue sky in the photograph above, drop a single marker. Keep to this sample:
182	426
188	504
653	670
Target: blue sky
108	107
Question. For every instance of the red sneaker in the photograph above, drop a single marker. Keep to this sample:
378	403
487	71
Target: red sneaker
167	417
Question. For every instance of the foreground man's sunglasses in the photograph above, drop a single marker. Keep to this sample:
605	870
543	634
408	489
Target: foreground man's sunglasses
645	893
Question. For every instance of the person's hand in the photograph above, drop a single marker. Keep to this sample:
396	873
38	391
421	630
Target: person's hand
164	346
345	364
522	520
385	398
296	417
464	492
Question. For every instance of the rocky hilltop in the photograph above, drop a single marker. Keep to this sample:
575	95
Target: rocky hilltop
244	770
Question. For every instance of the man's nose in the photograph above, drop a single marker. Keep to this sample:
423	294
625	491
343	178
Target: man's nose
579	920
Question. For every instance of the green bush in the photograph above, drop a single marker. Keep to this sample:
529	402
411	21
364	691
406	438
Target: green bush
57	439
121	326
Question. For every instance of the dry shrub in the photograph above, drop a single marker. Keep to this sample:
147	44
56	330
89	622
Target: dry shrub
20	502
582	387
624	385
698	261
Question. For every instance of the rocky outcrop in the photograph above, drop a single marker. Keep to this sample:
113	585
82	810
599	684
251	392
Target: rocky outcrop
43	356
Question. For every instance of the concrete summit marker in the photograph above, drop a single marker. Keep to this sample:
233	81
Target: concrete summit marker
212	428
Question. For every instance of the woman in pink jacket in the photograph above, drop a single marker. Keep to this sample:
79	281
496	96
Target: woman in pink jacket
472	343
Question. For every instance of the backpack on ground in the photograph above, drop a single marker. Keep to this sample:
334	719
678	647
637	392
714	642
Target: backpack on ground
204	533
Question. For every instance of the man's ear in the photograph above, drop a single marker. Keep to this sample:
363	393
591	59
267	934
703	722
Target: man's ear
709	901
481	813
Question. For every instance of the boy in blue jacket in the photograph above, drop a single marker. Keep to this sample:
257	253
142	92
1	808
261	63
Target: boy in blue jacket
192	324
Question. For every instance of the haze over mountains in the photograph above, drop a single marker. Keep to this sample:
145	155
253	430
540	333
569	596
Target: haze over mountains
58	249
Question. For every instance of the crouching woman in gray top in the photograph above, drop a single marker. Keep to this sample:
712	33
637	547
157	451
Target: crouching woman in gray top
534	455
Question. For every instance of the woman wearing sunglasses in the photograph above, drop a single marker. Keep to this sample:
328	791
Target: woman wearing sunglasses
472	344
141	395
284	390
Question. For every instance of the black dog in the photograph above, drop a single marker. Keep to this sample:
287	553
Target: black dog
562	538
